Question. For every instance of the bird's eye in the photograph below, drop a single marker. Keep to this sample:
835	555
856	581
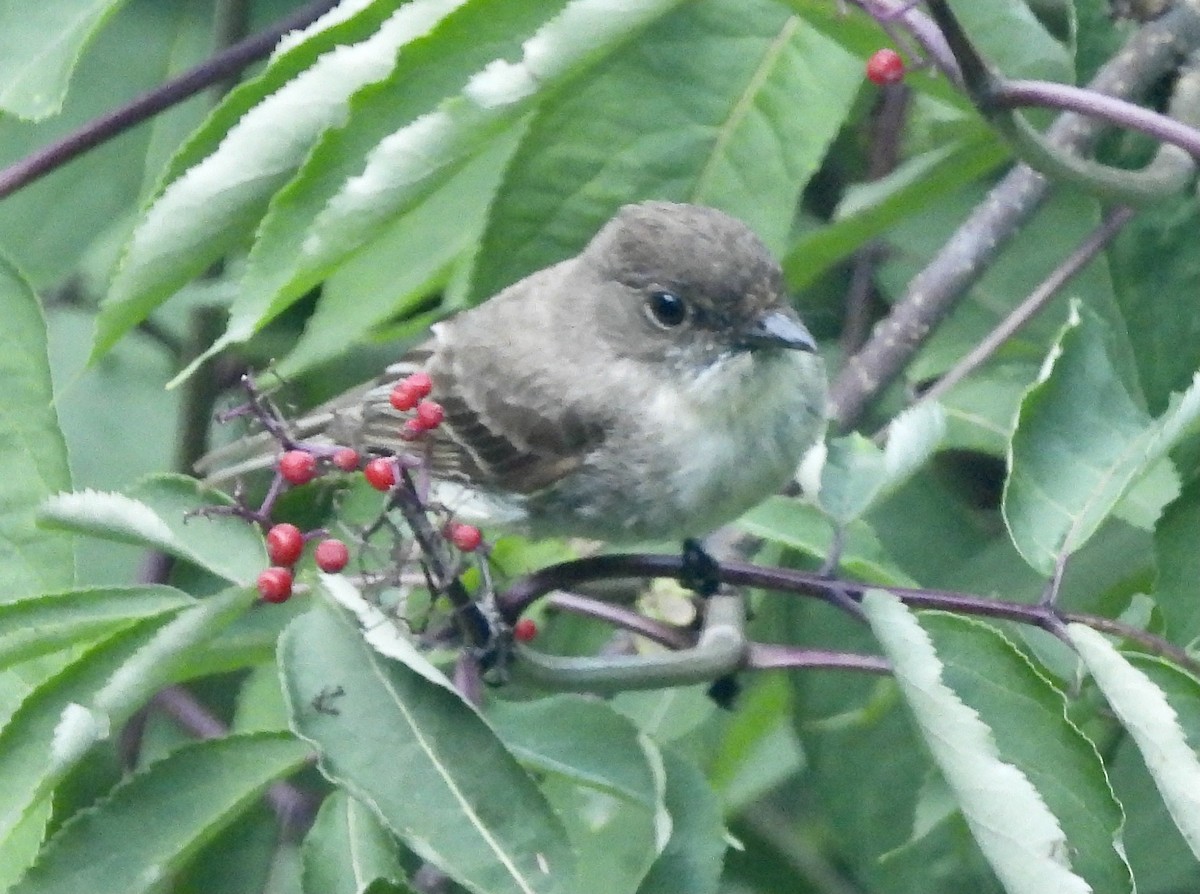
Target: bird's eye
666	308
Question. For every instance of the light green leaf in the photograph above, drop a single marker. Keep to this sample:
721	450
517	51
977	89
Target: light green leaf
1082	441
152	822
718	82
214	204
1010	36
1152	700
583	740
691	861
453	794
31	448
156	515
39	46
40	624
855	473
29	767
348	848
364	176
1031	788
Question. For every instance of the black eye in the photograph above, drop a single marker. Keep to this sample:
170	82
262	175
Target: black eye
667	308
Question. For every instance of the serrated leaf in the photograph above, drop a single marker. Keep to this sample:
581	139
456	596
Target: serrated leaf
152	822
40	624
691	861
1178	562
370	172
1031	788
1082	441
1153	700
348	848
717	84
217	202
856	474
162	513
453	794
39	46
30	441
29	766
582	740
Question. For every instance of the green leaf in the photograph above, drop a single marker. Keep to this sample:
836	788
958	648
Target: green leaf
1082	441
348	848
869	209
691	861
403	143
159	513
39	46
1031	787
1178	562
152	822
1159	705
583	740
855	473
29	764
40	624
454	795
216	203
31	448
390	277
718	82
1010	36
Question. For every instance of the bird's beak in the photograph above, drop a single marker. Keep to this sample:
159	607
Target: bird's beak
779	329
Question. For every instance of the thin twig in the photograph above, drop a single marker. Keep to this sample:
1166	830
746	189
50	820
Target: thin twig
1031	306
937	290
212	71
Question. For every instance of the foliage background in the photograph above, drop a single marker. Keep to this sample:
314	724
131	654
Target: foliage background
828	780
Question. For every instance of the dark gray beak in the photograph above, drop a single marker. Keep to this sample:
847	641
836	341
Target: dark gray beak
779	329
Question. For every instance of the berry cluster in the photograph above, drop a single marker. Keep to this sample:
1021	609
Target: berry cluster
302	463
285	546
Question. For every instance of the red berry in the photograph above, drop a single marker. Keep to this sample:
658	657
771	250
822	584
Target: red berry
466	537
381	473
275	584
403	397
346	459
285	543
298	466
420	384
524	630
413	429
332	555
430	414
885	67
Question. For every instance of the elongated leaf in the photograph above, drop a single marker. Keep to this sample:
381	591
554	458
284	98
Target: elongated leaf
582	740
353	183
718	82
39	46
1159	705
155	820
158	513
453	794
1179	566
29	766
216	203
1031	787
1082	441
31	448
41	624
348	848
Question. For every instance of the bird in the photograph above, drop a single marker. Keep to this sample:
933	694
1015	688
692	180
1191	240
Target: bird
655	386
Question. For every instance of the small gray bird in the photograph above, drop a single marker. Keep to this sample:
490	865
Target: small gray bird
654	386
